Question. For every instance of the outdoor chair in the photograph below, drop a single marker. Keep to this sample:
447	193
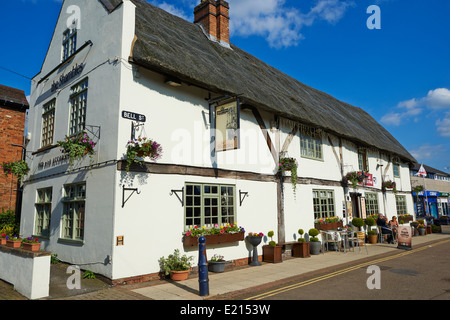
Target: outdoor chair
381	234
328	238
359	239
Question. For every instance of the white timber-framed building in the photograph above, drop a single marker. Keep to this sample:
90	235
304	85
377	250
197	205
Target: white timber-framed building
128	67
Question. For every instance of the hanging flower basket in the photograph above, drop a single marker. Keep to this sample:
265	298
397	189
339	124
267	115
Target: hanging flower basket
354	178
137	149
289	164
389	185
77	147
17	168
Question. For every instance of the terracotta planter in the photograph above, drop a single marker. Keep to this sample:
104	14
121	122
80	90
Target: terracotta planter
301	250
214	239
328	226
179	275
3	241
372	238
31	246
272	254
13	244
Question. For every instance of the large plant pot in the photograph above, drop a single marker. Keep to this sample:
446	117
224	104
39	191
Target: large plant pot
372	238
13	244
216	266
301	250
272	254
31	246
190	241
3	241
328	226
314	247
255	241
179	275
422	231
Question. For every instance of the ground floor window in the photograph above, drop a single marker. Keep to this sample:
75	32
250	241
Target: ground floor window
371	203
43	212
209	204
323	201
73	211
400	202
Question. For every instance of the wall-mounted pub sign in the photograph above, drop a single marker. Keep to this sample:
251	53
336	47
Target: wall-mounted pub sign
227	126
63	79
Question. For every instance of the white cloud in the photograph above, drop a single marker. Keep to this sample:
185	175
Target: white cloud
443	125
436	101
427	152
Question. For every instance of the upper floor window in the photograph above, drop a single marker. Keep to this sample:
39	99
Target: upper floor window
69	43
311	146
48	123
78	102
363	161
396	167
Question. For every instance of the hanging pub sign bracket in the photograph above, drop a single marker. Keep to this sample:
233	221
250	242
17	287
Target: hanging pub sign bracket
172	192
133	190
96	133
242	196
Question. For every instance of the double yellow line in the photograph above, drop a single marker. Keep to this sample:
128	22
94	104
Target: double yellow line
340	272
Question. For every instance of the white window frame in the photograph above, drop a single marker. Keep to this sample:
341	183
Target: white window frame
69	44
74	211
43	212
48	123
78	107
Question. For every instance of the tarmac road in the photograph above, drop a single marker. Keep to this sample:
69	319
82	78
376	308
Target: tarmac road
419	274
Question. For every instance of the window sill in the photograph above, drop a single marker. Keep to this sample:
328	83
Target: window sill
71	241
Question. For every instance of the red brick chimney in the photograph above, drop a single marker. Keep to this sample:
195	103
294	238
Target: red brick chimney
215	18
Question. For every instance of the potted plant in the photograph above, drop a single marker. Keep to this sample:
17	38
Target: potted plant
137	149
13	241
314	243
358	223
176	265
31	244
289	164
372	236
272	252
255	239
301	248
3	239
422	229
216	264
18	168
77	147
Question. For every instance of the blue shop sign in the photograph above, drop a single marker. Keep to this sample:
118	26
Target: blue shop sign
428	194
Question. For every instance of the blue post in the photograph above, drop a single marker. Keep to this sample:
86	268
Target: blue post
202	268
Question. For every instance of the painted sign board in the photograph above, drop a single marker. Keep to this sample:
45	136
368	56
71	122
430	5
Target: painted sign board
404	237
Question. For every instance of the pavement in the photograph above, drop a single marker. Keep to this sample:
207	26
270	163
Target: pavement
222	286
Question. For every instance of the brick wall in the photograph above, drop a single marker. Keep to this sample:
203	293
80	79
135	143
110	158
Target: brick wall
12	124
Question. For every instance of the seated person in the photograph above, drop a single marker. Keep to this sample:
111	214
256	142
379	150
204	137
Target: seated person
394	223
381	221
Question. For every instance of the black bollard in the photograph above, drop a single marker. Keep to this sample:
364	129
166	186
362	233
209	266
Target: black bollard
202	268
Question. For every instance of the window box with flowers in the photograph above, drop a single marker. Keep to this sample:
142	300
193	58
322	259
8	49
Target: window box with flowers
137	149
329	223
31	244
13	241
214	235
405	218
289	164
17	168
77	147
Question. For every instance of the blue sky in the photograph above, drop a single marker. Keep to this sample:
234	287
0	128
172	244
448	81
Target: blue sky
399	74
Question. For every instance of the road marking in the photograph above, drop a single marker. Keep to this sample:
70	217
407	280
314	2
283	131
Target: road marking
340	272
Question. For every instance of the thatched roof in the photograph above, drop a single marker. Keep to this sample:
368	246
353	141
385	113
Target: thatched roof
176	47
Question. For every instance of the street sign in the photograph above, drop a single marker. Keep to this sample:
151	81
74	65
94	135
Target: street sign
133	116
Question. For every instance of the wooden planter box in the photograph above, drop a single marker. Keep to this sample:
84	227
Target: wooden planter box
3	241
272	254
405	220
301	250
13	244
31	246
189	241
328	226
